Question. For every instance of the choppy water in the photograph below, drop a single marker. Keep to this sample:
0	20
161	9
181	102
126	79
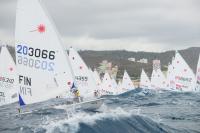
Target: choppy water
138	111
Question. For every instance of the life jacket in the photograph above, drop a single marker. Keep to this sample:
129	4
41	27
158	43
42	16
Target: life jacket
78	93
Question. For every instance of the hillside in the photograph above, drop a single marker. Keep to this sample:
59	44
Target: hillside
120	58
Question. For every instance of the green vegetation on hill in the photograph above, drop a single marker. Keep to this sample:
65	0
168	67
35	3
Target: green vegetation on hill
120	58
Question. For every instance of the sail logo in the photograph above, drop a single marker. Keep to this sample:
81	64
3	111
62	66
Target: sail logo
35	57
41	28
81	67
11	69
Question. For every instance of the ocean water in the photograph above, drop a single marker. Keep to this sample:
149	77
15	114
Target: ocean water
137	111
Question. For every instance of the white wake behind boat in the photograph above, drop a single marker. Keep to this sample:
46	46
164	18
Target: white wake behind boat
8	92
90	105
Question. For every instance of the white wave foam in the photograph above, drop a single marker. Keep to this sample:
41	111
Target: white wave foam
71	124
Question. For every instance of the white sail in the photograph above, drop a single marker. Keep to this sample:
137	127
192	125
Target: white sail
83	78
198	76
8	91
114	83
153	80
97	78
106	87
184	76
158	80
119	84
115	86
144	80
162	81
42	64
119	88
127	83
170	76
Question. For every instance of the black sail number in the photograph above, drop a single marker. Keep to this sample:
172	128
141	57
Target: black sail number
30	51
44	54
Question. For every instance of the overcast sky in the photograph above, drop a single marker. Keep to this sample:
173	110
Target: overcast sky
135	25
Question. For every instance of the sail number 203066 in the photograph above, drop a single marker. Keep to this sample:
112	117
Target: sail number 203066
21	49
35	58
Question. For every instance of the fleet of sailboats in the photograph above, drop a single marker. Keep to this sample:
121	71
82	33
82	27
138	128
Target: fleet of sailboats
44	70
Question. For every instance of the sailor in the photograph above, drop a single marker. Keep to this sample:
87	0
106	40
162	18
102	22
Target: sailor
19	110
96	93
77	95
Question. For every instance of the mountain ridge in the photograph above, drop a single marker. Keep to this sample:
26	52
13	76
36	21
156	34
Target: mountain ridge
120	58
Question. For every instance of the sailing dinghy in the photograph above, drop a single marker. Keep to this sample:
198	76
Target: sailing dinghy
8	92
158	80
107	87
83	78
183	74
97	80
127	83
42	64
144	80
